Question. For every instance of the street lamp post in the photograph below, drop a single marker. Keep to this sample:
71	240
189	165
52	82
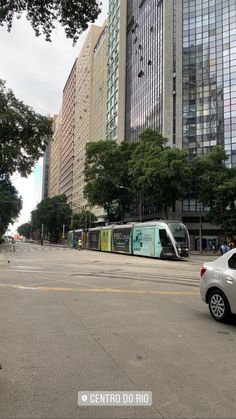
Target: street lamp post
63	233
72	220
42	234
200	228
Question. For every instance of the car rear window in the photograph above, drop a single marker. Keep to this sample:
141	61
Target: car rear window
232	262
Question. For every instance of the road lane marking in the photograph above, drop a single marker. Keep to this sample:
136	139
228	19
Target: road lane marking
23	270
97	290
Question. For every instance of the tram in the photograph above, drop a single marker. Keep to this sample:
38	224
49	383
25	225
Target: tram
157	239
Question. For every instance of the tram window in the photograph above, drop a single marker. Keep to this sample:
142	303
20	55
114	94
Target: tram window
164	238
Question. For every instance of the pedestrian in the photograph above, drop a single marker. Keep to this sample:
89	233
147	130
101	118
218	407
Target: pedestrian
213	247
13	248
74	243
79	244
224	248
231	244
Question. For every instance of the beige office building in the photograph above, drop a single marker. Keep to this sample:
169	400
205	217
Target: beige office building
99	94
67	142
83	113
54	166
116	81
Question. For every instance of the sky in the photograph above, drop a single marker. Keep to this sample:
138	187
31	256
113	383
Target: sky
37	70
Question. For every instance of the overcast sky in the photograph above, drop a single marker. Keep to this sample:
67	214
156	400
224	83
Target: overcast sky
36	71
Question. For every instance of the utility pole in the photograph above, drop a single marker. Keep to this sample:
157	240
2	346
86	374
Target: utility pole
63	233
200	234
200	228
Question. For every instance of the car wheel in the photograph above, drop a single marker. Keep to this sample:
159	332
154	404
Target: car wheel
219	306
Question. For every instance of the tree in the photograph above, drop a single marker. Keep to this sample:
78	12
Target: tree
85	219
223	210
209	171
149	136
25	230
23	134
10	204
72	15
216	188
107	176
52	213
160	174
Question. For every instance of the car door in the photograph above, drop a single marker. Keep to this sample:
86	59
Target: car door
229	279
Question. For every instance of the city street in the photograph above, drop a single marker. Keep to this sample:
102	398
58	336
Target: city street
82	320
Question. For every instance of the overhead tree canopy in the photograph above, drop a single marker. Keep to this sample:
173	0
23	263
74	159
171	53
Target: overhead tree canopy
23	134
73	15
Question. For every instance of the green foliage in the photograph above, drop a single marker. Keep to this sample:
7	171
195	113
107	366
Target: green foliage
85	219
216	188
9	204
25	230
52	213
151	136
209	171
108	176
155	173
23	134
223	210
72	15
160	174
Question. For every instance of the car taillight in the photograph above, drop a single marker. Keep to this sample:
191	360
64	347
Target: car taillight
202	271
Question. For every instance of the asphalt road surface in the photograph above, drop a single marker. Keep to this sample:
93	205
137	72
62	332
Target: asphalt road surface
89	321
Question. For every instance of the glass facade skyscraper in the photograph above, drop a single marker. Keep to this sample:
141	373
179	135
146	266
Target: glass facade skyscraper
209	76
144	76
181	80
181	72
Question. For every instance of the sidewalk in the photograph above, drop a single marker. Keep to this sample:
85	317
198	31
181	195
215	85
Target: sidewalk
203	253
48	244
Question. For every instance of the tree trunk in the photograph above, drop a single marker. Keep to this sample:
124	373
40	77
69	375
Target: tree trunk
166	212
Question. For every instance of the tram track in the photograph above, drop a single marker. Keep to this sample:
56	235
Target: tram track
164	279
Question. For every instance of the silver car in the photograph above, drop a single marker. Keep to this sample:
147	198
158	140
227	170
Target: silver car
218	286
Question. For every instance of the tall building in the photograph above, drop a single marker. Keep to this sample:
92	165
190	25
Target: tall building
45	180
181	79
208	87
55	157
83	112
67	139
115	129
209	76
99	93
151	68
181	72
